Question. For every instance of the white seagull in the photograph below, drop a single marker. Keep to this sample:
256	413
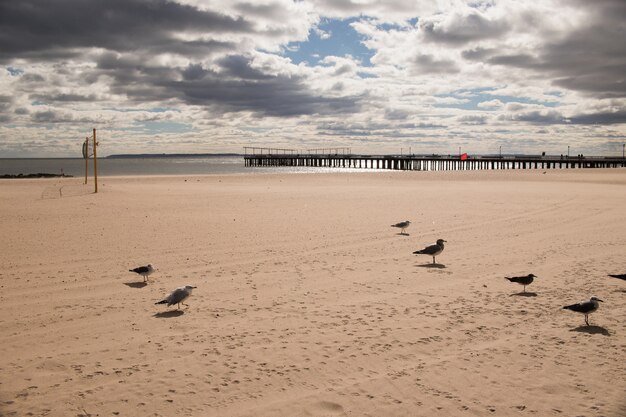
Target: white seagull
177	296
585	307
432	250
402	225
144	271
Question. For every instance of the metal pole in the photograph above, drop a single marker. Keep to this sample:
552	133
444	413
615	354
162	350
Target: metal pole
567	151
500	151
95	163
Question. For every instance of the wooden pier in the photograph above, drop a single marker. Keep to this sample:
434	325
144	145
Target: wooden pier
342	158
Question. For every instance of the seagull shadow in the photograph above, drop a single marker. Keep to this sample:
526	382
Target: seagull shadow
403	234
618	276
591	330
169	314
431	265
524	294
139	284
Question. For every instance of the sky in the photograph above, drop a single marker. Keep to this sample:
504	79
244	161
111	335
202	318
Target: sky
211	76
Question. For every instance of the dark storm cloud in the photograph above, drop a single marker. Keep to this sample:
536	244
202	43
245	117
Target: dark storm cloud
274	11
55	116
240	89
50	116
238	66
5	106
234	85
536	117
43	29
428	64
590	58
603	118
463	29
5	102
554	117
64	98
131	32
472	120
32	78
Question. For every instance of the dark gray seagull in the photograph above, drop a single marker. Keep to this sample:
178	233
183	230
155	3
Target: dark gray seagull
177	296
144	271
432	250
620	276
525	280
402	225
585	307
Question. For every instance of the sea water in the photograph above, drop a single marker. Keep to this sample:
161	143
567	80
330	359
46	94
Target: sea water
205	165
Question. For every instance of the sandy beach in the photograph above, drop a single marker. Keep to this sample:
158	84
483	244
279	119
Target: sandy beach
308	302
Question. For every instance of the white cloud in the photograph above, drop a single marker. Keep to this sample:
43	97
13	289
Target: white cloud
491	104
489	72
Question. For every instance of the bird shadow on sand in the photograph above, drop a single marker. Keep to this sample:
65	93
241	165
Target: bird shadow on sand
591	329
169	314
403	234
138	284
524	294
431	265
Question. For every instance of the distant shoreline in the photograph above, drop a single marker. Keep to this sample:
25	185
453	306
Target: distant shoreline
172	155
37	175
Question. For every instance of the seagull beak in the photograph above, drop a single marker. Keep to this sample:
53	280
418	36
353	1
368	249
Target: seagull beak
597	299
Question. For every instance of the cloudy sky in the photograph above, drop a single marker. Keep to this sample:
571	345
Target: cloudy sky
377	76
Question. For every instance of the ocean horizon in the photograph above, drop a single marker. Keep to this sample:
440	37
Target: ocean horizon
149	165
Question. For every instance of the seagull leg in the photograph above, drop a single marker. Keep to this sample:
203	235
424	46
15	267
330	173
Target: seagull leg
433	260
586	321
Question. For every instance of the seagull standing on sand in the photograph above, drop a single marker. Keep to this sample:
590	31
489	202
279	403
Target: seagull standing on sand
432	250
144	271
177	296
525	280
585	307
402	225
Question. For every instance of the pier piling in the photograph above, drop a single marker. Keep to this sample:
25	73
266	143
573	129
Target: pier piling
343	158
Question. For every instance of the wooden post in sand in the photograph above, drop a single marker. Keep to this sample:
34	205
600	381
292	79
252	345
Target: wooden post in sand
86	156
95	161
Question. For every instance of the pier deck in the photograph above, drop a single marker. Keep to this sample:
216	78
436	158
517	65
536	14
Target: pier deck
255	157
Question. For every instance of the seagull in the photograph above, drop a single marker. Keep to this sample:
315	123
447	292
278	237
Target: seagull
432	250
585	307
177	296
620	276
402	225
525	280
144	271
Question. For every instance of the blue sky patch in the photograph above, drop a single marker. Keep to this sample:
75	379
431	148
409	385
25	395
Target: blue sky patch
156	127
15	71
335	38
